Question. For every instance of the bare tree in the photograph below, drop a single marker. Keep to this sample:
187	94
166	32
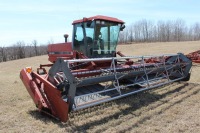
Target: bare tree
43	49
145	33
35	45
138	31
162	32
131	33
20	49
3	54
146	30
124	36
196	29
168	28
179	26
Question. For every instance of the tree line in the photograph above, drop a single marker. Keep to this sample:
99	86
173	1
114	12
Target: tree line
161	31
139	31
22	50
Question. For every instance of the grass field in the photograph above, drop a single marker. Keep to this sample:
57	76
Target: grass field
172	108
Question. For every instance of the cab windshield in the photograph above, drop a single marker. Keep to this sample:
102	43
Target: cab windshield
96	39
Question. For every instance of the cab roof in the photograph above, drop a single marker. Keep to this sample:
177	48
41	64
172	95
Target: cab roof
98	17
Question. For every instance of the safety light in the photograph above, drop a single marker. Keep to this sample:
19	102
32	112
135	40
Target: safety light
28	69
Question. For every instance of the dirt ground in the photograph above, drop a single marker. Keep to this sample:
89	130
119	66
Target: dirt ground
172	108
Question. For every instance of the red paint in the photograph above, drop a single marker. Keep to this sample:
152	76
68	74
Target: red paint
35	85
99	17
58	51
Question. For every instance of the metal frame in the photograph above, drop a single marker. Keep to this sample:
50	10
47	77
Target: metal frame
145	75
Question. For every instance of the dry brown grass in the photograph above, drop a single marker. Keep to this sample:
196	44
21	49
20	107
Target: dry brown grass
172	108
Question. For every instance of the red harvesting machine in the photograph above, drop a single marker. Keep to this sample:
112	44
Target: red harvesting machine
88	71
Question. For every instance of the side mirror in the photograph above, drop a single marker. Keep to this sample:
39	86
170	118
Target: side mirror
122	27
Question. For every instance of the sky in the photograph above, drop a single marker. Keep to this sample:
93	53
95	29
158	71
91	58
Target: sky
48	20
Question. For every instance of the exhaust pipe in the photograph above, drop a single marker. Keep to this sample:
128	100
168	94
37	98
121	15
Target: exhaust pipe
66	36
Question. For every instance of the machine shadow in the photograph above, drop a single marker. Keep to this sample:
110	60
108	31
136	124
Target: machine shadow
42	116
135	101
